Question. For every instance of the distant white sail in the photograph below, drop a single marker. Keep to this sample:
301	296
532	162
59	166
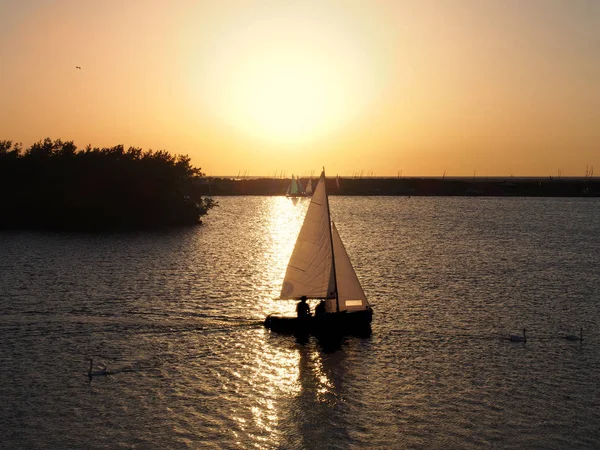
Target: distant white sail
295	188
309	188
299	188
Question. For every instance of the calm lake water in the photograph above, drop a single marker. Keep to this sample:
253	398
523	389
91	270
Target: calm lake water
176	317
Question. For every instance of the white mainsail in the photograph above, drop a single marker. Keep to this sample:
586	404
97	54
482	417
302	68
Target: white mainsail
311	271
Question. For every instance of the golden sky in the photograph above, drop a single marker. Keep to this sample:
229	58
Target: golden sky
419	87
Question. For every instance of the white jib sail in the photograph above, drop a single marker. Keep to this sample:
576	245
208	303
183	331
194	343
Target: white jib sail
351	296
309	188
310	270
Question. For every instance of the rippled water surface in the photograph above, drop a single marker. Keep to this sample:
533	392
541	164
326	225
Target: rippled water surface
176	317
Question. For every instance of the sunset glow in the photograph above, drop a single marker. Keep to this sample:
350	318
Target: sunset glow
418	87
283	91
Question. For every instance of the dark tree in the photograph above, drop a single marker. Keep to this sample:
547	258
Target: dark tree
53	185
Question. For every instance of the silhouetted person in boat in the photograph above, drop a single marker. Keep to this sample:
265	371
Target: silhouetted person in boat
302	308
320	309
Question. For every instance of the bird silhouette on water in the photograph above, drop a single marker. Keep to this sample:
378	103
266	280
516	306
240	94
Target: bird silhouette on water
99	370
518	337
574	337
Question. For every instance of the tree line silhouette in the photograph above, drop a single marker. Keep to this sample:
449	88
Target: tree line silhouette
53	185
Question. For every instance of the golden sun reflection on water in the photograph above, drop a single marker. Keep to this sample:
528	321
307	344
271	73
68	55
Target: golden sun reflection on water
283	371
283	222
324	385
272	371
286	376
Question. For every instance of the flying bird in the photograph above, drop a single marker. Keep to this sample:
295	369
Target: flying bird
78	67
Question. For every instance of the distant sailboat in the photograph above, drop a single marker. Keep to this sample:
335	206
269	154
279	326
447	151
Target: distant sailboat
309	189
295	189
300	187
320	268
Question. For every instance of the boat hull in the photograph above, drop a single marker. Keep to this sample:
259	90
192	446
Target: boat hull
343	323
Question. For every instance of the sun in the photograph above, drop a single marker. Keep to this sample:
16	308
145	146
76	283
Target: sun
289	102
285	81
283	97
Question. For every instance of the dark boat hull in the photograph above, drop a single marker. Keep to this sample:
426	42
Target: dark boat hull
343	323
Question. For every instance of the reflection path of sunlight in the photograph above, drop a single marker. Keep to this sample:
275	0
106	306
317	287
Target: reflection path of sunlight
275	375
283	222
292	387
271	371
325	387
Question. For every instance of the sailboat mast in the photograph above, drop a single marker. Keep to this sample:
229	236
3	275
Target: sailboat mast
337	299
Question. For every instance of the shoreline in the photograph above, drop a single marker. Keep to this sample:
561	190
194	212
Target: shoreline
445	186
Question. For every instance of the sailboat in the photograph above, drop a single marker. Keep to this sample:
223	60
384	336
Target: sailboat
295	189
320	268
309	189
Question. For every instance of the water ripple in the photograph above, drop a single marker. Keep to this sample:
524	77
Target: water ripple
177	318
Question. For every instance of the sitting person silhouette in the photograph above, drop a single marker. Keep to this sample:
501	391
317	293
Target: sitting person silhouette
302	308
320	309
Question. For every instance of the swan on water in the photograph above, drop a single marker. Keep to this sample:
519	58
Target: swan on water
574	337
518	337
98	371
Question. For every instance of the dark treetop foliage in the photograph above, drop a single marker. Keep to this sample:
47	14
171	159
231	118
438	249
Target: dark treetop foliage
52	185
